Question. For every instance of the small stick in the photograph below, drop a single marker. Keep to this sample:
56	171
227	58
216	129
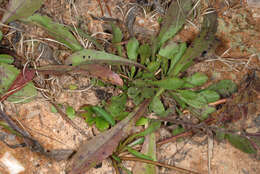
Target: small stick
157	163
174	138
218	102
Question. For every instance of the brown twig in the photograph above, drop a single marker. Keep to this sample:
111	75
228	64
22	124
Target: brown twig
218	102
174	138
157	163
108	9
100	5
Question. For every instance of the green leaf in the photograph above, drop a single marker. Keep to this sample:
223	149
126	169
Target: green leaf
148	92
117	105
53	109
73	87
176	58
175	19
156	106
117	38
70	112
1	35
136	142
169	83
20	9
8	75
152	127
133	92
87	56
101	112
90	120
224	88
121	116
145	53
85	35
132	48
191	98
138	154
154	66
206	111
209	95
101	124
201	43
178	130
5	58
142	121
60	32
241	143
195	80
169	50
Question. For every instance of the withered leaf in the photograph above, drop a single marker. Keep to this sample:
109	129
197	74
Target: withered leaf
102	146
93	70
21	80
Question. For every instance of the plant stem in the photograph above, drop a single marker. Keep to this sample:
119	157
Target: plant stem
157	163
159	92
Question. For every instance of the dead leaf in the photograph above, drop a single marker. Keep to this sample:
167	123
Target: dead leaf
93	70
102	146
21	80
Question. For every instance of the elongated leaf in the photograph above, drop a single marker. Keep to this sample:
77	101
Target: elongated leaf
85	35
169	50
241	143
201	43
5	58
138	154
145	53
177	57
94	70
1	35
58	31
209	95
224	87
92	56
192	98
100	147
175	18
149	149
104	115
117	38
196	79
132	49
169	83
21	9
156	106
